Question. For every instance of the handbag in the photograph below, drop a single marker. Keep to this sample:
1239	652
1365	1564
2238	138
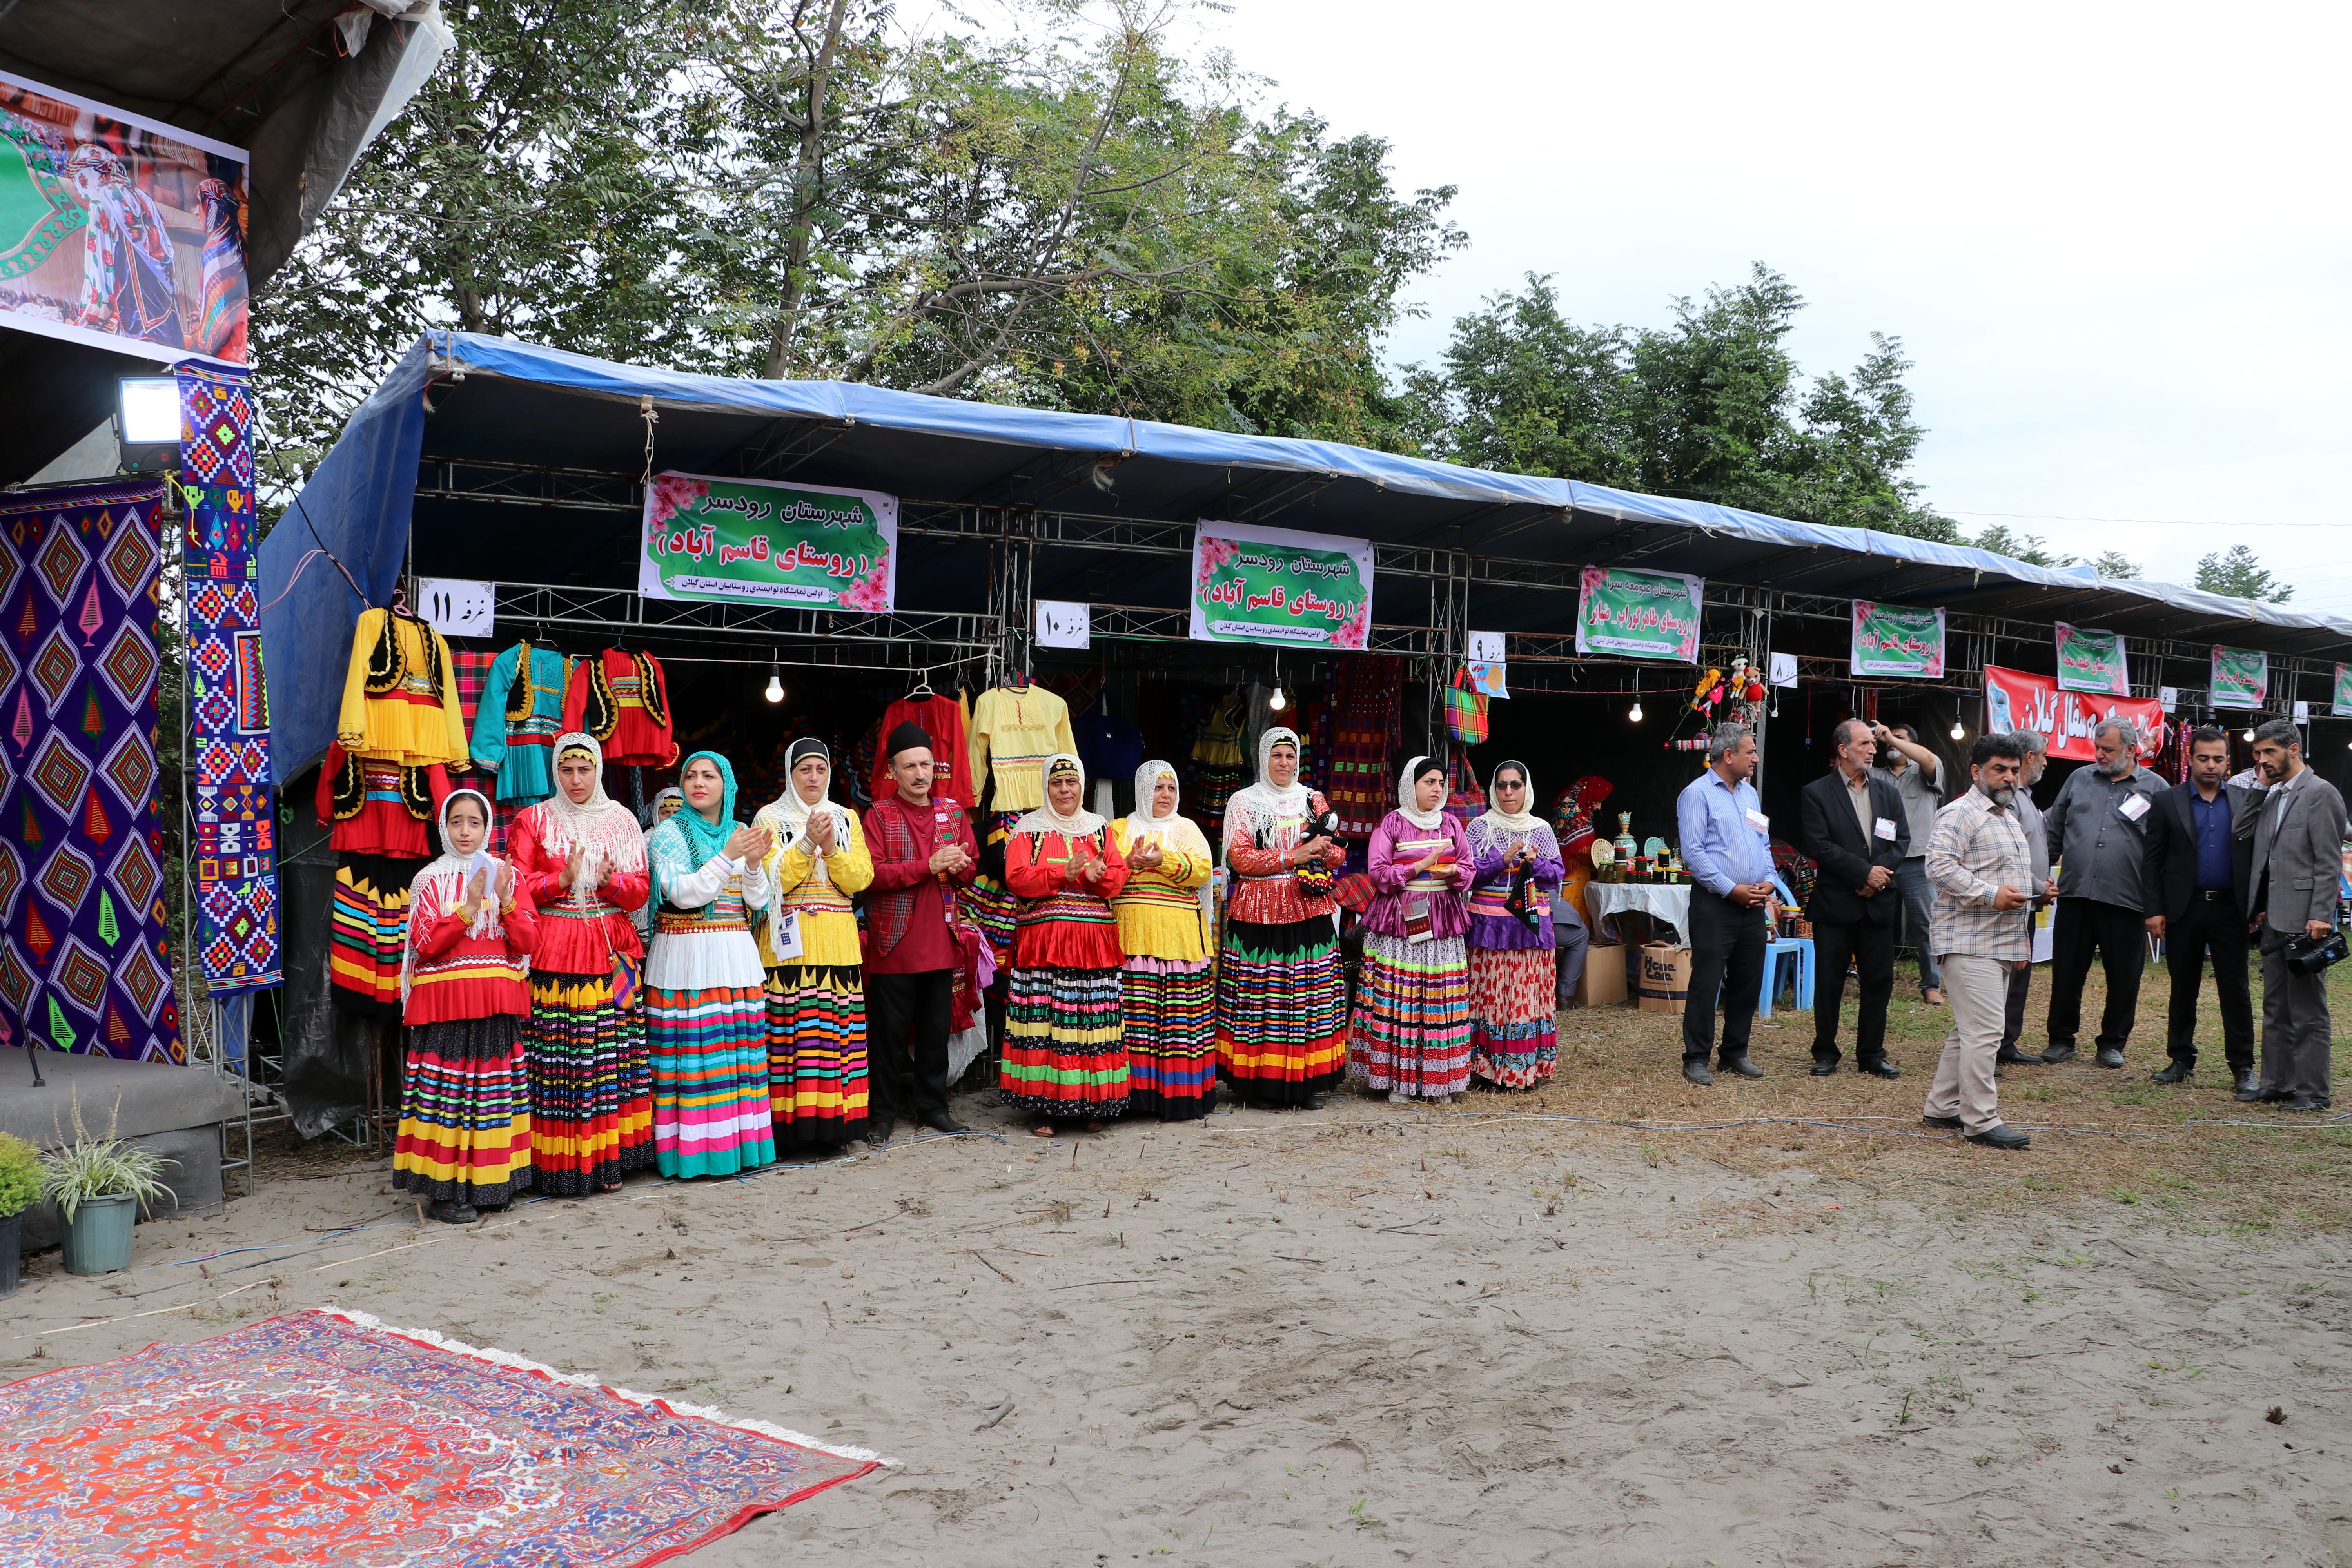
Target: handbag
1466	711
1465	798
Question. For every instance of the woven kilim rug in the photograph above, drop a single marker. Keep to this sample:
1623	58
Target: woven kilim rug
325	1437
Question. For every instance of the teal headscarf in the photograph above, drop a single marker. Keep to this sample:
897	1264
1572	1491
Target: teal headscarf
701	839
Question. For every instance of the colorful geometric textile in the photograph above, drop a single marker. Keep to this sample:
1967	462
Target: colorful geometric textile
465	1113
591	1085
1412	1017
1064	1047
1282	1010
1172	1038
710	1049
324	1436
236	851
83	966
1514	1030
817	1086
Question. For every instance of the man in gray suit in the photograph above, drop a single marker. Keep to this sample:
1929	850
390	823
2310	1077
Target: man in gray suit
2296	824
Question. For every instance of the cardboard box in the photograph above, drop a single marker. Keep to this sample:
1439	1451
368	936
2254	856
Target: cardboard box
1664	984
1603	984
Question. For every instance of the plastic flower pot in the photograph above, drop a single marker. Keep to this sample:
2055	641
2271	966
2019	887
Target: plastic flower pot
97	1237
11	1237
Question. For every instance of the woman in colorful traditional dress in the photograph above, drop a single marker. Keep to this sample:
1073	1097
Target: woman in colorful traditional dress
1412	1033
1169	995
706	1007
817	986
1514	1012
1282	1005
1065	1046
579	855
465	1101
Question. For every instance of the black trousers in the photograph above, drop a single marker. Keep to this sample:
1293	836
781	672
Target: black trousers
2214	925
1727	957
1871	946
2012	1018
2120	936
907	1042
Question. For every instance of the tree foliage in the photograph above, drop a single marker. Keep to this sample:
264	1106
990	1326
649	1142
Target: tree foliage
2238	574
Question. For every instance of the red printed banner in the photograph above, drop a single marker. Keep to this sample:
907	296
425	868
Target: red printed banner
2016	701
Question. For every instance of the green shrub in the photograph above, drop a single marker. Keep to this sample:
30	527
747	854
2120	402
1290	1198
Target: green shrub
20	1175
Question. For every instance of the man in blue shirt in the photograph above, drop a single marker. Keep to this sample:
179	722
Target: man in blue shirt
2198	872
1728	848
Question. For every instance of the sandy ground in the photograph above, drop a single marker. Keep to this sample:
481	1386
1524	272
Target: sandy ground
1370	1335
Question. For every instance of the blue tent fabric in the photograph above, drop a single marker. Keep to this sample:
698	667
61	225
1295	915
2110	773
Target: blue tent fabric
524	404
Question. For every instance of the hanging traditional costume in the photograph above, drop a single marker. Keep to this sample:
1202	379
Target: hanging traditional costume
465	1104
816	991
1281	1006
1411	1031
1166	989
400	694
590	1081
377	814
943	718
623	700
1513	1008
706	1006
515	726
1013	729
1065	1047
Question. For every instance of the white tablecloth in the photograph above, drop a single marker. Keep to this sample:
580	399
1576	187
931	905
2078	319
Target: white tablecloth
1665	902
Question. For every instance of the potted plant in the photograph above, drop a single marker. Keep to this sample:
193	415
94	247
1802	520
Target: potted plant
98	1184
20	1184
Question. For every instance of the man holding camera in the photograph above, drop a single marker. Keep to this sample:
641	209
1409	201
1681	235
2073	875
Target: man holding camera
2296	822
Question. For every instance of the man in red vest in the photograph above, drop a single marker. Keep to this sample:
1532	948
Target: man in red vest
923	851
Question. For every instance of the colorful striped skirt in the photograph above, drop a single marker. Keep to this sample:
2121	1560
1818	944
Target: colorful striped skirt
816	1054
710	1049
1064	1047
464	1113
1411	1030
1172	1038
367	926
591	1086
1282	1010
1515	1016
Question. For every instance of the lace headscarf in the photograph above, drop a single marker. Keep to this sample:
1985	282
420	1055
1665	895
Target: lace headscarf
1045	819
1141	822
440	887
788	817
1262	807
605	828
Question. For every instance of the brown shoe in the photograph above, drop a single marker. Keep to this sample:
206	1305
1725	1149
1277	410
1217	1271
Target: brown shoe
1932	998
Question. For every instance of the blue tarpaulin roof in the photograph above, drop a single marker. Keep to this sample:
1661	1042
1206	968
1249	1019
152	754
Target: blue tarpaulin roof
460	396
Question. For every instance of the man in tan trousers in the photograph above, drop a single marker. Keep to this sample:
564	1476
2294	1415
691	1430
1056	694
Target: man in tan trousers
1981	868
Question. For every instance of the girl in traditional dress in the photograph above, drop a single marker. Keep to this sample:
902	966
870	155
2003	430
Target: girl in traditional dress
465	1104
1170	998
580	855
1513	1041
1412	1035
1282	1008
706	1008
1064	1047
816	995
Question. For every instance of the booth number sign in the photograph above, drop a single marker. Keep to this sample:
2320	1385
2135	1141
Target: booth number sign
458	606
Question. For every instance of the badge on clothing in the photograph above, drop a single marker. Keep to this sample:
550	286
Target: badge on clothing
1884	828
787	934
2134	807
1758	821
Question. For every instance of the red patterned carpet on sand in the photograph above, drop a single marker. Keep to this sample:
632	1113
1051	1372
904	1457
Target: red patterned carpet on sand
325	1437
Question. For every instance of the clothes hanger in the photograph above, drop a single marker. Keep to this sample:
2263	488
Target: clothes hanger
922	691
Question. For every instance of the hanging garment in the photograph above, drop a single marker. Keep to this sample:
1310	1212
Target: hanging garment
379	815
623	700
943	722
516	723
1111	747
400	697
1014	731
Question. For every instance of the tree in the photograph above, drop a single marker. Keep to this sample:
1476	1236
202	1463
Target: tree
2237	573
2116	565
1713	407
2030	548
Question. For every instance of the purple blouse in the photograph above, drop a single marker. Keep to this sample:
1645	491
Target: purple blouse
1390	867
1491	924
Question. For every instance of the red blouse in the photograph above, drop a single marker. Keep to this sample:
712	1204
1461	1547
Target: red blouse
1067	923
572	939
455	976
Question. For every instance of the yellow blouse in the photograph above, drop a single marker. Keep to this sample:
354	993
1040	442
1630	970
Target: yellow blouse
400	695
828	923
1159	910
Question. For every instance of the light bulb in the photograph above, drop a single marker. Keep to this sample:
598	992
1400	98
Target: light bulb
776	687
2249	737
1278	701
1956	730
1634	712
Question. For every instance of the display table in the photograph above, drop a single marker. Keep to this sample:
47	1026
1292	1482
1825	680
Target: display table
1666	903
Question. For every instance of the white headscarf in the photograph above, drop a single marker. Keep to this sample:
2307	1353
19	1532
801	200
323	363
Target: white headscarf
440	887
1141	822
605	827
1263	808
1425	820
1521	821
789	816
1045	819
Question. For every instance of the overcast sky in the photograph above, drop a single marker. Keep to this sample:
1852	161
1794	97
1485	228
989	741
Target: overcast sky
2114	237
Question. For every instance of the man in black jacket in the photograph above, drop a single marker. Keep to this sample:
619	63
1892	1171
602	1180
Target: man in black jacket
1851	822
2198	872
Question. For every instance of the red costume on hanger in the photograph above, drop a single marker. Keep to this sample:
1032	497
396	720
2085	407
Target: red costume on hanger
942	720
623	700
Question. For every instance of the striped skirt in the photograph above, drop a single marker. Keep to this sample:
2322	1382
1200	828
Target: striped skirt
710	1049
1412	1027
464	1113
816	1054
1282	1010
592	1087
1515	1016
1065	1047
366	928
1172	1038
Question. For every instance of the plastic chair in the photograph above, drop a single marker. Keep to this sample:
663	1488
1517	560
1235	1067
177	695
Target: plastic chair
1797	949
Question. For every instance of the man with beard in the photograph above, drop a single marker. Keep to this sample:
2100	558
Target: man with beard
2296	826
2197	868
2029	817
2098	831
1981	867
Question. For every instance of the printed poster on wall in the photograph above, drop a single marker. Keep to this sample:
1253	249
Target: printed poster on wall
1276	586
2241	676
2016	701
1641	615
809	546
118	231
1894	639
2091	662
2344	692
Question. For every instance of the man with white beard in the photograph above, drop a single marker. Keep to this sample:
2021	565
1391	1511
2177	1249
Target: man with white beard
2097	832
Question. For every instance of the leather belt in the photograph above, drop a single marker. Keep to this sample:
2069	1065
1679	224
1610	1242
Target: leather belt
2215	895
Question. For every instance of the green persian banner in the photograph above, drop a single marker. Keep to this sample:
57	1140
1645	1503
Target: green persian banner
1278	585
2241	676
1641	615
1894	639
810	545
2091	662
